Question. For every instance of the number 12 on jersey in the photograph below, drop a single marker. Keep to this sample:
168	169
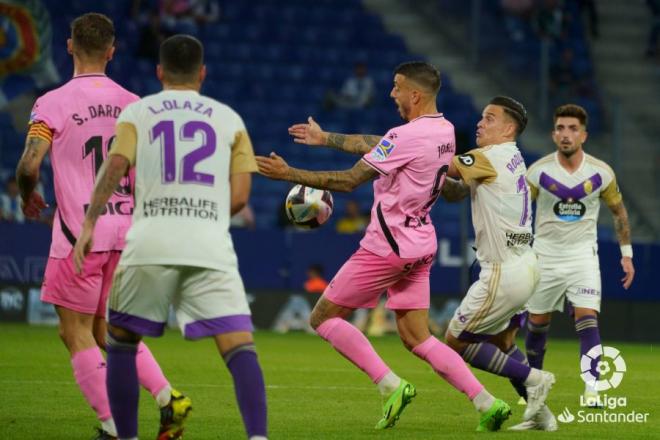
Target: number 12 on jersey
164	133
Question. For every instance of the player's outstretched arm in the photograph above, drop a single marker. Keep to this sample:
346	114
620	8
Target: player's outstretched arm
111	172
344	181
27	174
622	229
312	134
454	190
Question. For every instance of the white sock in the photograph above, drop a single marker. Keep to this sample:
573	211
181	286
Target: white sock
258	437
164	396
483	401
109	426
388	383
534	378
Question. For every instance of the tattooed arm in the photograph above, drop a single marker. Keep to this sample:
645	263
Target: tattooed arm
111	172
27	175
352	143
344	181
454	190
312	134
622	228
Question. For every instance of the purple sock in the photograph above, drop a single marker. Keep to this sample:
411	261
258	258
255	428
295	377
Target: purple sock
250	389
123	386
488	357
537	336
515	353
587	330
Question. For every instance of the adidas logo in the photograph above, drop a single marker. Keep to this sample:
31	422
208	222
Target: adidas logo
566	416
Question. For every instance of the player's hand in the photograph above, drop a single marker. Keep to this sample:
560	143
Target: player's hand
629	270
310	133
273	166
33	205
83	246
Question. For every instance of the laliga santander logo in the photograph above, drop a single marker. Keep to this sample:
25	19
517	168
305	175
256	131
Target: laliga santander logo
610	367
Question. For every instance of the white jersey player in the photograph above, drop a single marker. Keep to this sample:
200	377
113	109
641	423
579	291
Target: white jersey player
568	186
494	176
192	158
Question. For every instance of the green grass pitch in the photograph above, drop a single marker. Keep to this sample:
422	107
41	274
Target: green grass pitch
313	393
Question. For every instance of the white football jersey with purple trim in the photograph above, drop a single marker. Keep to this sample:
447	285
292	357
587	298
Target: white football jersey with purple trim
501	201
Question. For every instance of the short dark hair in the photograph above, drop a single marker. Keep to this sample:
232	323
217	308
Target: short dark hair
423	73
93	34
572	111
181	57
514	109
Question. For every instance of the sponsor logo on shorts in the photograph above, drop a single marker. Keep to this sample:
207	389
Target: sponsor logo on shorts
581	290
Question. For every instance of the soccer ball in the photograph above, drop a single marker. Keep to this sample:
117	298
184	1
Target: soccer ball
307	207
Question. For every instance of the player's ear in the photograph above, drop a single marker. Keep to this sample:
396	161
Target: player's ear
110	53
69	46
202	73
159	73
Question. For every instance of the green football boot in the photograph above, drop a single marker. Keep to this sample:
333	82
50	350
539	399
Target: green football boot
395	403
496	415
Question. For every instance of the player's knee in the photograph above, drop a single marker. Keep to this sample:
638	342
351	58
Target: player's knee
119	335
316	319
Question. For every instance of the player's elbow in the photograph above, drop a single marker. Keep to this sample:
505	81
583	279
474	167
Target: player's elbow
238	201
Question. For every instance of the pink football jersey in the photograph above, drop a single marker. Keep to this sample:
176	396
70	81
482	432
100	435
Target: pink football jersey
412	160
82	115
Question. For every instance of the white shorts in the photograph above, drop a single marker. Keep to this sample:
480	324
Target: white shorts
207	302
492	301
575	279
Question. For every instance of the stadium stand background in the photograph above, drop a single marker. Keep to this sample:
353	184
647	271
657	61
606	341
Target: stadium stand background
273	61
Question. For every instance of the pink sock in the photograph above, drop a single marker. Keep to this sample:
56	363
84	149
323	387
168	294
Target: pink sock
354	346
149	373
450	365
89	370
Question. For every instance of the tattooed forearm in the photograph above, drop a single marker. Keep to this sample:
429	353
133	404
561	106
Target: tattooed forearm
621	224
109	176
343	181
454	190
352	143
331	180
27	171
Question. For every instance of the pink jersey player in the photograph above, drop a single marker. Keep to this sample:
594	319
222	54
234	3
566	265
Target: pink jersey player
76	124
81	117
395	256
412	160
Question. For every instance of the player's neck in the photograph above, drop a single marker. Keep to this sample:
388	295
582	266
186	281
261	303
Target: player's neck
428	109
188	86
572	162
89	68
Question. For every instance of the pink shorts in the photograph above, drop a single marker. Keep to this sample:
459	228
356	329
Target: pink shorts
365	276
84	293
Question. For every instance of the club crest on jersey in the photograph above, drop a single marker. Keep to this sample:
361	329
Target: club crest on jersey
588	187
382	151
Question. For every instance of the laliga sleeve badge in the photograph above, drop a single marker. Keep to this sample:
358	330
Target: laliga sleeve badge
466	159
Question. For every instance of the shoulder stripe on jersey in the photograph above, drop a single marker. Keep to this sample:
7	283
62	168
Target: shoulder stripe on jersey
374	167
599	163
386	230
543	160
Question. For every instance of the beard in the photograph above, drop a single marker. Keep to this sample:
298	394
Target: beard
568	152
